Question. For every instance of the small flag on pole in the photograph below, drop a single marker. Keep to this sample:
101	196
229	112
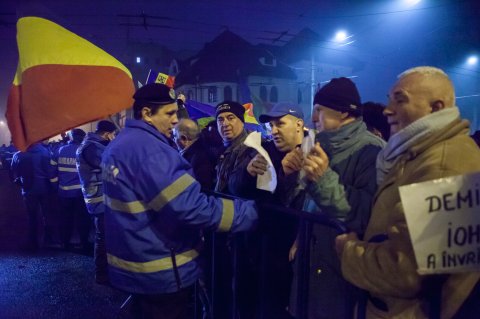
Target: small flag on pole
157	77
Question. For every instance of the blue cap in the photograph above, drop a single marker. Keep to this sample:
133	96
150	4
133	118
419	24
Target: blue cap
282	109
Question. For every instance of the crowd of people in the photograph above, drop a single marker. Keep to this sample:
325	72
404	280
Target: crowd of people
177	212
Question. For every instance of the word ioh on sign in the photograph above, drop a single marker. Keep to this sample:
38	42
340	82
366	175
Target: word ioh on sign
443	218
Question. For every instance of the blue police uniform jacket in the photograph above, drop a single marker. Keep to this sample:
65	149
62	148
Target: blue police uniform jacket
89	158
155	210
67	174
31	170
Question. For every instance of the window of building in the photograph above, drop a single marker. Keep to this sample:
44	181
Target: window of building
263	93
274	94
268	61
212	94
227	93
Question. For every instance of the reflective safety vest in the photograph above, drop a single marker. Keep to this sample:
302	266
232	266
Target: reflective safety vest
67	174
155	211
89	157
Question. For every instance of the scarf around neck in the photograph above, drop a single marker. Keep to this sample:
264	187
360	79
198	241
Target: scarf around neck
338	140
237	140
407	137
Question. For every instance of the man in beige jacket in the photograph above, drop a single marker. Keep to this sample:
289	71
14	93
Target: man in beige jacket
429	141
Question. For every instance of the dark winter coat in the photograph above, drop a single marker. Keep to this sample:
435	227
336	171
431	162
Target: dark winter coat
202	162
345	192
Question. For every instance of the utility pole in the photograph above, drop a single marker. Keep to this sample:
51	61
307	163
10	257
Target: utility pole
312	85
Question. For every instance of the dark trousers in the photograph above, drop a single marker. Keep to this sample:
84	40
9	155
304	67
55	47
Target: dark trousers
34	203
163	306
100	253
73	209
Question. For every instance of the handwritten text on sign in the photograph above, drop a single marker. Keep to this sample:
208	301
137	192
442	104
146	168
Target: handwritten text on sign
443	218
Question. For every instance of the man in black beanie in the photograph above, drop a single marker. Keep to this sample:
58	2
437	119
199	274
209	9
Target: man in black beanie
235	156
340	181
230	122
89	158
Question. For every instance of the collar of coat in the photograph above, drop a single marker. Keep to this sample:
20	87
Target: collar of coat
456	127
149	128
230	145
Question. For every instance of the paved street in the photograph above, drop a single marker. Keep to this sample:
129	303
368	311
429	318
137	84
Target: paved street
50	283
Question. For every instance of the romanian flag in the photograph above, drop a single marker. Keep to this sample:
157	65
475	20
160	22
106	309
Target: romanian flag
249	116
157	77
62	81
246	100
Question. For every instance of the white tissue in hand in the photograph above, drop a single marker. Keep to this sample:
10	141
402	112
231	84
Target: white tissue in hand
267	181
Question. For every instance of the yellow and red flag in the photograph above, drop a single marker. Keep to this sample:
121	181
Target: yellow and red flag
249	116
62	81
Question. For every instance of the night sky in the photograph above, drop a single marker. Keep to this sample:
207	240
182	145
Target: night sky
386	36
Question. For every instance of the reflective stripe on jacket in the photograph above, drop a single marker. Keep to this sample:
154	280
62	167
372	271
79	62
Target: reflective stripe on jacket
89	157
68	180
154	208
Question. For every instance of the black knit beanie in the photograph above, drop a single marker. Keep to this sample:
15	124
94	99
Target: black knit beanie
233	107
340	94
106	126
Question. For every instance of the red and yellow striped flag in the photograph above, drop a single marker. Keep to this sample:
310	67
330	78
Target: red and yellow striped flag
249	116
62	81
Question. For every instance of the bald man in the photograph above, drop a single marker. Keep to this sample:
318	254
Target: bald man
429	141
186	135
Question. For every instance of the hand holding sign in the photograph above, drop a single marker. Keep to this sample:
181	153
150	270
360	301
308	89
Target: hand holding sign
444	223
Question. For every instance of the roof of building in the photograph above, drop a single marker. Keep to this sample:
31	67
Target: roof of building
229	58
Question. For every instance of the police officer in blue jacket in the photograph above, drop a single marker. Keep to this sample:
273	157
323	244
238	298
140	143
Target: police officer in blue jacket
155	210
89	158
31	171
72	205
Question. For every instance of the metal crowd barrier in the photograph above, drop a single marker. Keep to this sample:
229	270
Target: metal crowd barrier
305	219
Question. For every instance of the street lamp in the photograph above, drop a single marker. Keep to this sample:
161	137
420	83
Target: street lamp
472	60
412	2
341	36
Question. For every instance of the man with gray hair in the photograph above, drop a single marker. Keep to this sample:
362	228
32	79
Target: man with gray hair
429	141
186	135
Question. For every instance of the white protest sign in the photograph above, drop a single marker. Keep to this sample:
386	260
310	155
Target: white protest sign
267	181
443	218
